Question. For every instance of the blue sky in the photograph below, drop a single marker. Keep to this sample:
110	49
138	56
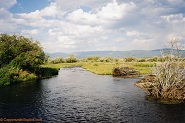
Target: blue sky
95	25
26	6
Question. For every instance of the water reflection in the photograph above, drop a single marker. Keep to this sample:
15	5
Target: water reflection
76	95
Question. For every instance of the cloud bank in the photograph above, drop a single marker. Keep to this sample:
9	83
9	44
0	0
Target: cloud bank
68	26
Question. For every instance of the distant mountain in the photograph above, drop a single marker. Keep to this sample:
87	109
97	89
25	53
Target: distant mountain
57	54
114	54
164	49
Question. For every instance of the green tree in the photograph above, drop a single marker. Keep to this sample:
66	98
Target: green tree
71	59
20	52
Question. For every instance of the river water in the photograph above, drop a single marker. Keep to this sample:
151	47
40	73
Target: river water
76	95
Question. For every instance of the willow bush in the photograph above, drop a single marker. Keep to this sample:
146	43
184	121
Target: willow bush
170	74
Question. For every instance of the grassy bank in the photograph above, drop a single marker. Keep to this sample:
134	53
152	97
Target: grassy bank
104	68
46	72
9	75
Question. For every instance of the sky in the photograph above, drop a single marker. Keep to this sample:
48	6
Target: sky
95	25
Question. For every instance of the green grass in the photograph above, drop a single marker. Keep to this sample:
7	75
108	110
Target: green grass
46	72
10	76
105	68
144	67
99	68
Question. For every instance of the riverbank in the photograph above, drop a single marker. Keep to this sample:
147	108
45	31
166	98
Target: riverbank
12	75
170	95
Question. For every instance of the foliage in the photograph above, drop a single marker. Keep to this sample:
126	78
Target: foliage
46	72
57	61
71	59
105	59
10	75
25	76
141	60
5	75
93	58
154	59
20	58
129	59
20	52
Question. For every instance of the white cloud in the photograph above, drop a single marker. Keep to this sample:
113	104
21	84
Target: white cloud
175	1
31	16
6	4
114	11
75	4
140	44
107	24
107	15
51	11
76	37
133	33
4	14
30	32
7	27
174	18
81	17
76	30
6	22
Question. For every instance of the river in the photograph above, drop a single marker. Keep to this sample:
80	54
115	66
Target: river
76	95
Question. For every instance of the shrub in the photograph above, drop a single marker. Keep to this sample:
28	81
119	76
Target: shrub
20	52
154	59
57	60
170	76
71	59
130	59
47	72
142	60
93	58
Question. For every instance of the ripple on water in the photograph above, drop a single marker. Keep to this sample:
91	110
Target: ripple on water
76	95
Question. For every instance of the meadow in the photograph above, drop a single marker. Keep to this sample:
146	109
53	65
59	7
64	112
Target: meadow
105	68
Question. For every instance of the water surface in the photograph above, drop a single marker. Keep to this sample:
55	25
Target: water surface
76	95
